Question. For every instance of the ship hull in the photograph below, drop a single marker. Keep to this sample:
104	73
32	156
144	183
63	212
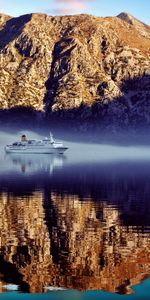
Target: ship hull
44	150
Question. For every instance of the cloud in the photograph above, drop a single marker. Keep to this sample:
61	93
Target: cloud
70	6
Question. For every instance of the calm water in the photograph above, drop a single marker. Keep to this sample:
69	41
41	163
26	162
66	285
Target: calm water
75	226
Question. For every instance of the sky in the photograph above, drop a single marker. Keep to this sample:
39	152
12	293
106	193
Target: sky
138	8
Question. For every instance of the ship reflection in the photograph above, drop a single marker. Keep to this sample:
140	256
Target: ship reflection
31	163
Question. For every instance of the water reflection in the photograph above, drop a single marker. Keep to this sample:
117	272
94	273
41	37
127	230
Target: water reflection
76	227
35	162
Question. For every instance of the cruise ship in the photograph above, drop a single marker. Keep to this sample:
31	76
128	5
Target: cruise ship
44	146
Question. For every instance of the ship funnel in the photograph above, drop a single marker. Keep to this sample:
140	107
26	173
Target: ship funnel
23	138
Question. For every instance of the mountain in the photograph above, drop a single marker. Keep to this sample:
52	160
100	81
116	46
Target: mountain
142	28
80	65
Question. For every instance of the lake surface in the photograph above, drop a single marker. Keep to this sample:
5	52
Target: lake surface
75	226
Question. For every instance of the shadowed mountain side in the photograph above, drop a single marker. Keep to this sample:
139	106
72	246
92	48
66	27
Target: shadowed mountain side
18	117
12	29
129	111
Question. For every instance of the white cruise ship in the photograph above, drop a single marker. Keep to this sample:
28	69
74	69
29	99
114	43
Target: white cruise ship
44	146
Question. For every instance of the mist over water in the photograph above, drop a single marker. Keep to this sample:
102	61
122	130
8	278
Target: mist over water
76	222
80	152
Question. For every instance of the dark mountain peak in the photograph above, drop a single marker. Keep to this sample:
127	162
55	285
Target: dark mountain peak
125	16
141	27
130	19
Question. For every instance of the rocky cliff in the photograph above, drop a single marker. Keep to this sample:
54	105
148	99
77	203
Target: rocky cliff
78	65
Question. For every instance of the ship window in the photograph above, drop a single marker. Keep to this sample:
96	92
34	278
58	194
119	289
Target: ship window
15	144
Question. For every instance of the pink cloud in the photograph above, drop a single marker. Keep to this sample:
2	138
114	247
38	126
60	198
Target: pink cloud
71	6
60	11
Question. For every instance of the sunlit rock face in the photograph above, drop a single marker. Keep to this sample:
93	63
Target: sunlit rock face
63	63
48	239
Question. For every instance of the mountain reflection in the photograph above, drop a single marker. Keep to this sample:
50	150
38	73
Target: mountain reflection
77	227
60	240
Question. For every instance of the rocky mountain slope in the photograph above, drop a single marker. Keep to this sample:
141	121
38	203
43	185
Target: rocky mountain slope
79	65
